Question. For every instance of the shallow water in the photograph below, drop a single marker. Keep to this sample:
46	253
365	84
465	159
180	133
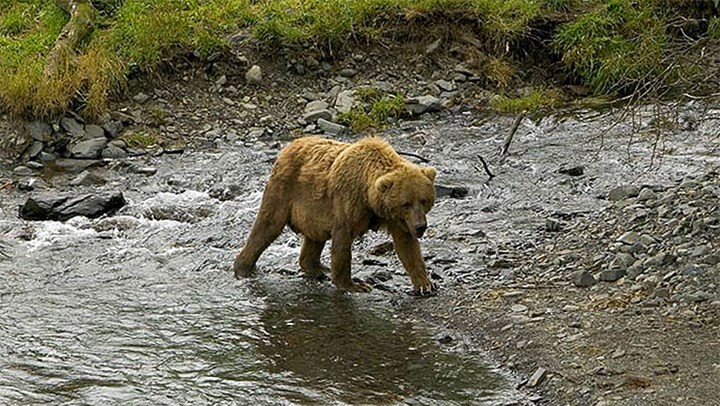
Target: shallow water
140	308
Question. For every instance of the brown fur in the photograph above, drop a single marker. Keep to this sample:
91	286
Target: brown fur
325	189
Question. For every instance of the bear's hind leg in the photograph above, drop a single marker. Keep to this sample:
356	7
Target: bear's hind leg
310	259
270	221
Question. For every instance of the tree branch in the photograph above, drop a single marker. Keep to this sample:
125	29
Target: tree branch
76	31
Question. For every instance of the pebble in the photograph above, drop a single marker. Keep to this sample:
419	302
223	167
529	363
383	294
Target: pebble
519	308
583	279
612	275
629	238
537	377
254	75
647	194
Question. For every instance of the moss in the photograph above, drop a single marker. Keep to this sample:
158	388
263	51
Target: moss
374	110
141	139
536	100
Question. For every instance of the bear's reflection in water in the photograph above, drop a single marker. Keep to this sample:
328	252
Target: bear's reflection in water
341	347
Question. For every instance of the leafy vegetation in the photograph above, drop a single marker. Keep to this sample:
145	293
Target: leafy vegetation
373	109
612	46
536	100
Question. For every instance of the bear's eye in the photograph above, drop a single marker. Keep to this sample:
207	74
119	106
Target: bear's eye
407	205
424	202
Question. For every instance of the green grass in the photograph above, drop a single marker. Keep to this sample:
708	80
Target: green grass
609	45
373	110
535	101
616	45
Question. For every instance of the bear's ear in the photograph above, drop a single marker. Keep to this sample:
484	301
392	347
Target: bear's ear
384	183
429	172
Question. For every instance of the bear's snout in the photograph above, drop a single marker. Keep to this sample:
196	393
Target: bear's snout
420	230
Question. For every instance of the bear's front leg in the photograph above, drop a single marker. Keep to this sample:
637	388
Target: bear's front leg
341	253
408	250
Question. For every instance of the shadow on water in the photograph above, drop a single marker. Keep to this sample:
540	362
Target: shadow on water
336	346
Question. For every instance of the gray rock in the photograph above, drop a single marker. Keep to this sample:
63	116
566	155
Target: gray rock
445	85
634	271
583	279
316	105
255	132
113	128
537	377
87	178
225	192
660	259
692	269
76	165
345	101
348	72
35	149
94	131
143	170
433	46
647	240
629	238
113	152
647	194
221	81
553	225
712	259
451	191
623	192
423	104
35	165
61	208
313	116
622	261
89	149
73	128
254	75
23	171
701	251
141	97
331	128
612	274
39	130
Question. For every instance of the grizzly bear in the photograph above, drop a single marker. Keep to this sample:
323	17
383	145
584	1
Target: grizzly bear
331	190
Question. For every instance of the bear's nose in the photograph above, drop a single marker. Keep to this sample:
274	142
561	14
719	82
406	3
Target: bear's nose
420	230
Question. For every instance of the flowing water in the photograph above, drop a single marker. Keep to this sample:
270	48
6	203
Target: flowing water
140	308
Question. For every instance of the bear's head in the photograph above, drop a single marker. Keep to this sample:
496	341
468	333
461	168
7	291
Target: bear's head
406	195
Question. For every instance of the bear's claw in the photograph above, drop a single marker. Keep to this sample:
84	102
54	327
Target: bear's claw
427	290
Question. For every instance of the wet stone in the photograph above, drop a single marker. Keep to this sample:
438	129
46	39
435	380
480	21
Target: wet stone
623	192
537	377
553	226
23	171
647	194
87	178
88	149
583	279
612	275
61	208
573	171
113	152
629	238
454	192
423	104
634	271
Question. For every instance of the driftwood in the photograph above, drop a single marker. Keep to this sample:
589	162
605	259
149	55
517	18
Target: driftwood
410	154
81	24
513	130
485	167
